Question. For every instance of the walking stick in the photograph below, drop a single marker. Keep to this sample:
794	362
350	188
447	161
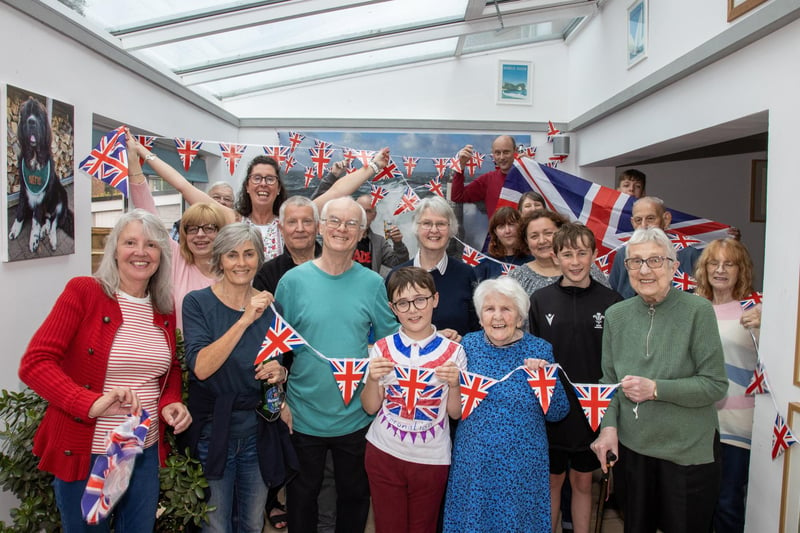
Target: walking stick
604	493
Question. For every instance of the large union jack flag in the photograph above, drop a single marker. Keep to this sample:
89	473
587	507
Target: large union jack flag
280	338
348	373
782	437
188	150
594	400
108	161
232	153
474	389
605	211
408	202
758	384
543	382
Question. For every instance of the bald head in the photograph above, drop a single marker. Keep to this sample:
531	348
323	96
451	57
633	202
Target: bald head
504	148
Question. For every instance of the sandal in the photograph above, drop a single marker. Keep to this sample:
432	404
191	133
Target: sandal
278	520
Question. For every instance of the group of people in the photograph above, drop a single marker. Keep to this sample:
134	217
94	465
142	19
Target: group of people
107	351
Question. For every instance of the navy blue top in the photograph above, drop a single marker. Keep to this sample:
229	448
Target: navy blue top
619	276
489	269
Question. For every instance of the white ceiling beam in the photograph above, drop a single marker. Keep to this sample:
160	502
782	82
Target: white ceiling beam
474	9
181	30
241	67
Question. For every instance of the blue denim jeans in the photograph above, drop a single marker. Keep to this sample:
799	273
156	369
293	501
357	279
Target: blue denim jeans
242	476
730	511
136	510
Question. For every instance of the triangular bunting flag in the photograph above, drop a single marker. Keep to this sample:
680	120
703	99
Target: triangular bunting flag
454	163
594	400
758	384
752	300
551	131
388	172
290	163
348	373
147	141
782	437
408	202
108	161
474	389
378	193
507	268
280	338
278	153
410	163
363	155
440	164
188	150
309	175
471	256
295	139
412	381
683	281
320	157
232	153
435	186
543	382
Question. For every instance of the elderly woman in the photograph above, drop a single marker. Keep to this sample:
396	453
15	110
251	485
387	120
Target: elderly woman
243	446
537	230
434	224
664	350
505	245
499	477
724	275
107	350
529	202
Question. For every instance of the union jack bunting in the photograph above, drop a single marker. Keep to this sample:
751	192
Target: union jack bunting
679	241
408	202
558	158
309	175
111	472
280	338
552	164
188	150
320	157
479	158
440	164
278	153
364	156
607	212
507	268
348	373
410	163
551	131
108	161
604	264
435	186
146	141
295	139
471	256
594	400
782	437
411	381
543	382
378	193
388	172
683	281
455	164
528	151
349	156
232	153
752	300
474	389
758	383
471	165
290	163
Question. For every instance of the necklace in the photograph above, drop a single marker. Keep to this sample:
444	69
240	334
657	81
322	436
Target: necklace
229	301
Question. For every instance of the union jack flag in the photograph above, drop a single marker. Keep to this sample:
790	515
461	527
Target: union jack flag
551	131
425	407
454	163
108	161
188	150
605	211
683	281
604	264
278	153
782	437
147	141
410	163
471	256
290	163
758	384
474	389
295	139
348	373
471	165
364	156
322	145
527	151
679	241
558	158
507	268
435	186
411	381
378	193
752	300
594	400
320	157
232	153
349	156
543	382
408	202
440	164
280	338
309	175
552	164
479	159
388	172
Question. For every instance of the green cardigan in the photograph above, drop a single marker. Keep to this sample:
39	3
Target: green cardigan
687	364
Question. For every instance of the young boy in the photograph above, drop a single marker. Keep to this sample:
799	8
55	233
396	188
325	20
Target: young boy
632	182
408	453
569	314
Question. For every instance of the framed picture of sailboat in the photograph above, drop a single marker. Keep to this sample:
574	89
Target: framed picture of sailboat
637	32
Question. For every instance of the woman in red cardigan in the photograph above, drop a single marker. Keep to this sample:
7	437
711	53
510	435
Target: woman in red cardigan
106	350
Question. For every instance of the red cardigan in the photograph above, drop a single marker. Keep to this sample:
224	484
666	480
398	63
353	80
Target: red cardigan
484	188
65	364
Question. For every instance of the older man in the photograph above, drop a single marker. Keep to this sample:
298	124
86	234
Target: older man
486	187
648	212
373	250
332	302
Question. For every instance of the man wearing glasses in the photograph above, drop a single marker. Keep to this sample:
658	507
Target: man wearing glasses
333	303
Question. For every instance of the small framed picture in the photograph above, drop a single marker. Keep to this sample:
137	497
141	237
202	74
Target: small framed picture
758	191
514	83
737	8
637	32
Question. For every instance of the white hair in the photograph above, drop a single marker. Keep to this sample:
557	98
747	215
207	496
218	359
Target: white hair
507	287
656	235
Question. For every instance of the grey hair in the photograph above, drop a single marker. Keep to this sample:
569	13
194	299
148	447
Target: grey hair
221	183
438	206
658	202
229	238
160	284
351	202
298	201
656	235
507	287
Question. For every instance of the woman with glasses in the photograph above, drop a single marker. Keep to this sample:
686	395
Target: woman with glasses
434	224
236	434
663	349
724	276
262	192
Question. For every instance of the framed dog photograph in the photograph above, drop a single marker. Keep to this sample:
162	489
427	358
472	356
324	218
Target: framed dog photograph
39	176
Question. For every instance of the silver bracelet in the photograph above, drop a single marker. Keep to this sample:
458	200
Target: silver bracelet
150	156
375	168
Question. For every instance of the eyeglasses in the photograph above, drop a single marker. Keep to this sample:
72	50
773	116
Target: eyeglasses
257	179
635	263
428	225
335	223
420	303
207	229
726	265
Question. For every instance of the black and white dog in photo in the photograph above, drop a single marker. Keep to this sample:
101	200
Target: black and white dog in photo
42	199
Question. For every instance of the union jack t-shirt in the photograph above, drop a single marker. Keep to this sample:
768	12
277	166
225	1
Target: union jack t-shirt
420	434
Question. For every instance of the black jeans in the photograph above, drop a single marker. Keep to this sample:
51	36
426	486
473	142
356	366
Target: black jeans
352	487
